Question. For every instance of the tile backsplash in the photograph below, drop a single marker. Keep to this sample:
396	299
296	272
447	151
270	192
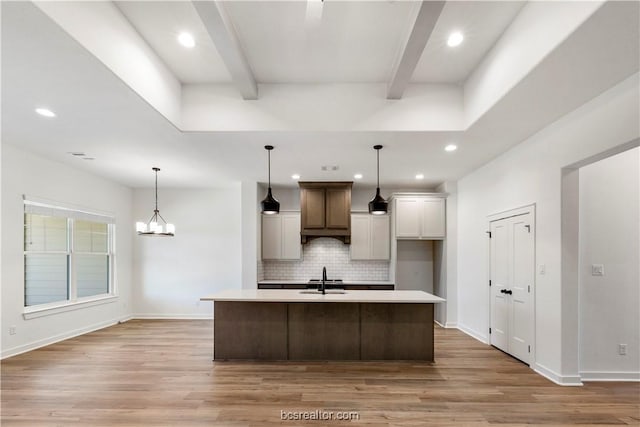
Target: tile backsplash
324	252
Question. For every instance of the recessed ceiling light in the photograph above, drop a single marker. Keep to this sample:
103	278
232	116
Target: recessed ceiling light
295	176
186	40
45	112
358	176
451	147
419	176
77	153
455	39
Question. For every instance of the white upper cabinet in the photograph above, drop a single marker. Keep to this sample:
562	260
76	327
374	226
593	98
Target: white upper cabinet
420	217
370	237
408	215
380	237
433	218
281	237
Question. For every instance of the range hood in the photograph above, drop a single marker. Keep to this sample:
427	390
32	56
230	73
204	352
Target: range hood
325	209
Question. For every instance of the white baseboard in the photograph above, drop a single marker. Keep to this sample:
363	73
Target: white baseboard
447	325
164	316
473	334
565	380
610	376
60	337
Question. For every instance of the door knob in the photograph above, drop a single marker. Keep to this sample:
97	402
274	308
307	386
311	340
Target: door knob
503	291
508	292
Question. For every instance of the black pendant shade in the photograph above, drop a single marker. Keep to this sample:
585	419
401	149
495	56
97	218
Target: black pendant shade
270	205
378	205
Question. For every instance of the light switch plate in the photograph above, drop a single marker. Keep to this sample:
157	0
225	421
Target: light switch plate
597	270
542	269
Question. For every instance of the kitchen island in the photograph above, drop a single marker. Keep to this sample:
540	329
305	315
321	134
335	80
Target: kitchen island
265	324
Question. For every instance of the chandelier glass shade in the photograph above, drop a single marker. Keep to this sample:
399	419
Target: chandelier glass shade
156	226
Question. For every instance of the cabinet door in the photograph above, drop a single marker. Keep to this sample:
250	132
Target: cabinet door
291	236
271	237
338	206
408	217
380	237
360	237
433	218
312	201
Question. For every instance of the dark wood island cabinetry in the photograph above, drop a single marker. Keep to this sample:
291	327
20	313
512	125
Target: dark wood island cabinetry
357	325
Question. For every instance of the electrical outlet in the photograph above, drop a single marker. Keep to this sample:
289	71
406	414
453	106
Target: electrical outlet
622	349
12	330
597	270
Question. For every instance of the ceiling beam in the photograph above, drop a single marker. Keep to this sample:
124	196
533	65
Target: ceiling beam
220	29
412	51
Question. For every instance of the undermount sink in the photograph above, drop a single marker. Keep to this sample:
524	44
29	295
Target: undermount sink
327	291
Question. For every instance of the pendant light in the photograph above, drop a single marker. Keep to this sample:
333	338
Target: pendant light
153	227
378	205
270	205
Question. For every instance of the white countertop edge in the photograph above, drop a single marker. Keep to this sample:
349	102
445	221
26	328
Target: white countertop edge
344	282
294	295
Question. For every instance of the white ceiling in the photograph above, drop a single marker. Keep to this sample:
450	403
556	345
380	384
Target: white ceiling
100	115
355	41
161	23
481	22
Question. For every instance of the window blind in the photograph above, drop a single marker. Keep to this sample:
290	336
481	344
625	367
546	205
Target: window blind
37	206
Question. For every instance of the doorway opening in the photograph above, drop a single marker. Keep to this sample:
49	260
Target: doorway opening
596	320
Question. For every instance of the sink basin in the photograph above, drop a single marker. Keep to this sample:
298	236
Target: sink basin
327	291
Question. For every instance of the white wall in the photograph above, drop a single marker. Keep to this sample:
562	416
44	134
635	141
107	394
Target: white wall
251	232
171	274
610	235
322	107
25	173
531	173
414	265
447	286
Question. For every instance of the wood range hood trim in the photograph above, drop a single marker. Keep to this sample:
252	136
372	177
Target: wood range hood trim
325	210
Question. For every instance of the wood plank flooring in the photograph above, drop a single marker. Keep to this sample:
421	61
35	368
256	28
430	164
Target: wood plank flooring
160	373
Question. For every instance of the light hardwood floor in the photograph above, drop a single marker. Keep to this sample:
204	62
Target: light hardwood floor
160	373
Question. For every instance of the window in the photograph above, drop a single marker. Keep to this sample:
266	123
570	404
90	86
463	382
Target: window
68	255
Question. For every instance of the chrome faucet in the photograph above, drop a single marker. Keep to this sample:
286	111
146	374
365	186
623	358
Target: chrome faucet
324	279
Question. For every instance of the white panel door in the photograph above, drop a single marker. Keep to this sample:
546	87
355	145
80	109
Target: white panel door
380	237
408	217
521	283
360	237
499	284
433	218
291	246
512	275
271	237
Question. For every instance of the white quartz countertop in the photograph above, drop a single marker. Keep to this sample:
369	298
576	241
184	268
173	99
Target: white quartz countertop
344	282
295	295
